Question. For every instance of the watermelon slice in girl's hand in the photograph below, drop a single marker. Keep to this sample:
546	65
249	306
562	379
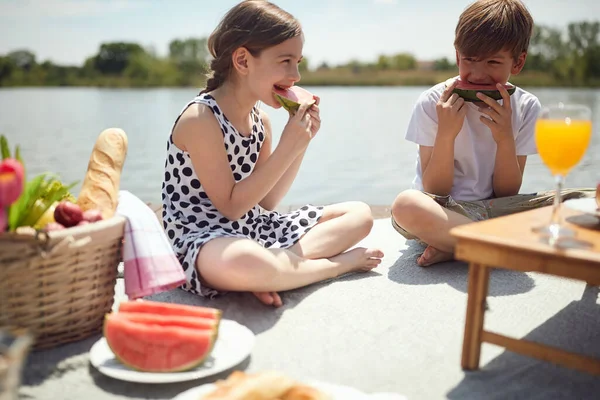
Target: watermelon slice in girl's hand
292	97
468	91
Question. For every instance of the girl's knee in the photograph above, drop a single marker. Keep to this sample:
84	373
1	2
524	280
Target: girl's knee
229	255
230	265
363	216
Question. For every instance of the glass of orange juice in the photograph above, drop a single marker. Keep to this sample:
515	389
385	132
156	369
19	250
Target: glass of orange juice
562	136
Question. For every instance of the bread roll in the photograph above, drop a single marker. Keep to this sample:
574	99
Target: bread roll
266	385
304	392
100	187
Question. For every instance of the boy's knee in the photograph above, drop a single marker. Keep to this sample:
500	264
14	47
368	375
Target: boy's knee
407	205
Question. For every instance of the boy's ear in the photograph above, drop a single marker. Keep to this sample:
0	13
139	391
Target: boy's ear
457	58
518	63
240	60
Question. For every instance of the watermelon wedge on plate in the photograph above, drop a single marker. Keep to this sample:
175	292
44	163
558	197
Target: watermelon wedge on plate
160	344
155	342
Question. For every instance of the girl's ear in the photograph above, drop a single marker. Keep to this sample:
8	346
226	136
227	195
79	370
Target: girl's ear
240	60
518	64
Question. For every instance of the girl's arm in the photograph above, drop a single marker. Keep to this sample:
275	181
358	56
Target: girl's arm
272	199
198	133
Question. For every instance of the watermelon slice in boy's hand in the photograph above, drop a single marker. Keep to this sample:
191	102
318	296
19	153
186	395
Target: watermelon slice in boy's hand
468	91
292	97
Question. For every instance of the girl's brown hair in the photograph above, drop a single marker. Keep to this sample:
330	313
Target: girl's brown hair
488	26
252	24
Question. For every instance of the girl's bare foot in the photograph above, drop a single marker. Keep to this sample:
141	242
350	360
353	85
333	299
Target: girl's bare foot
359	259
431	256
269	298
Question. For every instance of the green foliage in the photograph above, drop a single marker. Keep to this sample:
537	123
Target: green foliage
568	57
443	64
571	57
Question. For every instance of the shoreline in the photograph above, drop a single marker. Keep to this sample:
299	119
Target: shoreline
337	76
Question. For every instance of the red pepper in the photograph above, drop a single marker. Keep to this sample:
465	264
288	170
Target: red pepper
11	181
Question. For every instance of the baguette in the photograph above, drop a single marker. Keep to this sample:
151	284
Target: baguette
100	187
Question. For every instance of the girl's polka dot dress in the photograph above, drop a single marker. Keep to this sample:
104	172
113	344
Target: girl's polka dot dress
189	217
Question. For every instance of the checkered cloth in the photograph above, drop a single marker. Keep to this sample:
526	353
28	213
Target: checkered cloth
150	263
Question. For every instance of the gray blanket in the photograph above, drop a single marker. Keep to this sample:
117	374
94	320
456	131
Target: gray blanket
398	328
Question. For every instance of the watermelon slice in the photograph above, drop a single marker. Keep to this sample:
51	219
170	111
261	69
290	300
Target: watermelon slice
170	309
157	348
468	91
292	97
170	320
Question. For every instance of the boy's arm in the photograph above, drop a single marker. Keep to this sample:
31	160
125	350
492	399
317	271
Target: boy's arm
437	162
437	166
509	167
508	170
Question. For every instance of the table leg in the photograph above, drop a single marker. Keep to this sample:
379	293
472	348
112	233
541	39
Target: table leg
477	292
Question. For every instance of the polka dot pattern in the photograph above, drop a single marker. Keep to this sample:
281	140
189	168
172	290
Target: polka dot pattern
191	220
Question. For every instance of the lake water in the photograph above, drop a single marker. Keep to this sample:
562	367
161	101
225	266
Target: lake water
359	154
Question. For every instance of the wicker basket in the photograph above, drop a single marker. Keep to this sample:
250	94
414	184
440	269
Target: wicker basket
61	284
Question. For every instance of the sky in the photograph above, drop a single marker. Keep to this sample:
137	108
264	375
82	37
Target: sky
337	31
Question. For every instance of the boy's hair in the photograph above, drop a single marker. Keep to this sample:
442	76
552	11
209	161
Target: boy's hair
253	24
488	26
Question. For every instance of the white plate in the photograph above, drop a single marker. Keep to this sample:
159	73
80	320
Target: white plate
233	345
337	392
587	206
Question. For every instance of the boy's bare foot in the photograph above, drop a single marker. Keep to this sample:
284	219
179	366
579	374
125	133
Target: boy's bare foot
269	298
431	256
359	259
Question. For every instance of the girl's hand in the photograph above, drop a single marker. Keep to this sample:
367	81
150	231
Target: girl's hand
298	131
315	117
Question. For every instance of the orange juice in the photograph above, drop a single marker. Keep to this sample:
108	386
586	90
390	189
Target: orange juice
562	143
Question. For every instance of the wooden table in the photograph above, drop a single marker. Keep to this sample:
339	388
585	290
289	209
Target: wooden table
508	242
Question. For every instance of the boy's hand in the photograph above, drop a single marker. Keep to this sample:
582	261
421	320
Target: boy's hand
451	111
500	116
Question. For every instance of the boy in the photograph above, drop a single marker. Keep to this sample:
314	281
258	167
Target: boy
472	156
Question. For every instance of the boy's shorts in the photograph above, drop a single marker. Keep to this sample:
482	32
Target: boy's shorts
480	210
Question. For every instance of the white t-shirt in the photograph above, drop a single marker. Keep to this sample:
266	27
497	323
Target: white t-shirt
474	147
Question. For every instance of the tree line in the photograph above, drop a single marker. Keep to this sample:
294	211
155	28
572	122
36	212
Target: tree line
571	56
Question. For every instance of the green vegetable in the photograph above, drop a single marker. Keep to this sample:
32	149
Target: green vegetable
53	191
38	195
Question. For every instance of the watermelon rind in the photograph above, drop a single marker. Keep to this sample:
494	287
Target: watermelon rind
290	105
471	94
182	368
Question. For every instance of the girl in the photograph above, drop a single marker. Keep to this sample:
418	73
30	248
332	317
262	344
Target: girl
222	177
